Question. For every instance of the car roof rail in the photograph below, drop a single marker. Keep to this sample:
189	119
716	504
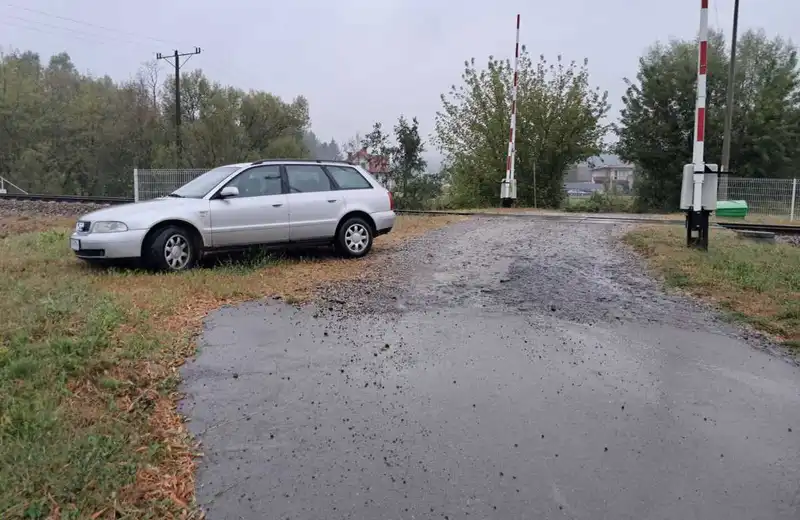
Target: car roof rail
262	161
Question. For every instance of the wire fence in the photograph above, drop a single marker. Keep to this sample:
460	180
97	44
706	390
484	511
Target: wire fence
152	184
779	198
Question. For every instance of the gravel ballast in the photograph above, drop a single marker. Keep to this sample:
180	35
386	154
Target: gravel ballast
32	208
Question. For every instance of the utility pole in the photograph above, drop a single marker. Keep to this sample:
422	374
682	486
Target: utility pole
176	56
726	136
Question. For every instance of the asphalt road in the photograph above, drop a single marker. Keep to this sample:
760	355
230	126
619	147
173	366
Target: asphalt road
500	369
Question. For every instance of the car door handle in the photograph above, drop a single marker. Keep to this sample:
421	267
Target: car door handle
278	205
331	200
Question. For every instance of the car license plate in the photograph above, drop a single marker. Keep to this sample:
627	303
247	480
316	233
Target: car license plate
75	244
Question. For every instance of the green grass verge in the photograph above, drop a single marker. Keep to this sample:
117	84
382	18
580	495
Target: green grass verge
66	449
757	283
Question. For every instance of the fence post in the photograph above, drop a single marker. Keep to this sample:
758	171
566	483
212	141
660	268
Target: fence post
136	185
794	199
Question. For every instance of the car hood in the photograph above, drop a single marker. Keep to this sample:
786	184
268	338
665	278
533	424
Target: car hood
143	214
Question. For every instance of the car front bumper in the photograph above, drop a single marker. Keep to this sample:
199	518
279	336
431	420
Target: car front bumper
125	244
384	221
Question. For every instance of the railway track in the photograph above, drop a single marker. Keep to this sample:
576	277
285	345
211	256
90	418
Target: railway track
599	218
564	217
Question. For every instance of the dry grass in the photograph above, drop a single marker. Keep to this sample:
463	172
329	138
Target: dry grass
17	224
89	369
758	283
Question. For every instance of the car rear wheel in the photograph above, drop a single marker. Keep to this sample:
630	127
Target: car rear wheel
171	249
354	239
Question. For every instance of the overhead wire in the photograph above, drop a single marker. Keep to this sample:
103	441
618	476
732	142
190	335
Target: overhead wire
50	32
95	25
71	32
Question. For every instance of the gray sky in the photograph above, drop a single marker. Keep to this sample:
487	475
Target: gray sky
358	61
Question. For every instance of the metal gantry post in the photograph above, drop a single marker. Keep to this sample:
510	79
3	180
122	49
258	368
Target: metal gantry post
508	188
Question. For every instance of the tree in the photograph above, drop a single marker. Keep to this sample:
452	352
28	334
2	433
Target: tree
656	128
62	131
322	150
376	150
558	124
414	189
396	161
376	142
352	146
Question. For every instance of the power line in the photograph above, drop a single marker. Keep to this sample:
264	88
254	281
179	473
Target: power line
99	38
43	31
177	64
90	24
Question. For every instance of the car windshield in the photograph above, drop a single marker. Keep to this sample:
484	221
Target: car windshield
200	186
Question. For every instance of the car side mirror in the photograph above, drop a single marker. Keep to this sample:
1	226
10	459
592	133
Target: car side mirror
229	191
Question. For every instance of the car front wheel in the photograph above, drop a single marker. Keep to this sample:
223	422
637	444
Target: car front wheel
171	249
354	238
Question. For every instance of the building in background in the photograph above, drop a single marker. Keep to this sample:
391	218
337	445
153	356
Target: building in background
581	172
377	165
607	171
615	177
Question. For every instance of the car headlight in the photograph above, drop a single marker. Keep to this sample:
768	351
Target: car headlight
108	227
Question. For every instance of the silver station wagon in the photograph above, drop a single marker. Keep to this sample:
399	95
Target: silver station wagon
264	203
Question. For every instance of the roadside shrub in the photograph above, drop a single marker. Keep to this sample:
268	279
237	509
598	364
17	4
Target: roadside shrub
602	203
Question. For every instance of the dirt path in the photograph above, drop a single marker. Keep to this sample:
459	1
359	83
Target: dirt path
500	369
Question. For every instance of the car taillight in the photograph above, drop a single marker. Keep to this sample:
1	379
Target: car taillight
391	201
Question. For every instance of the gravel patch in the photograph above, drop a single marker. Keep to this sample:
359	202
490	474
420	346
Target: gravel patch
15	208
580	273
543	270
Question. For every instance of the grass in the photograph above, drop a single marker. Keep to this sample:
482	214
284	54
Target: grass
88	369
756	283
600	203
16	224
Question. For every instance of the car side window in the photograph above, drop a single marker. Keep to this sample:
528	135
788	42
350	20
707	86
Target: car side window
348	178
307	178
259	181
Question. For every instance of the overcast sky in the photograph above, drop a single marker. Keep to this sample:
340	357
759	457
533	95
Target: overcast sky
358	61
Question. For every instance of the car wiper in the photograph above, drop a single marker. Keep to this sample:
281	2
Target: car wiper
176	196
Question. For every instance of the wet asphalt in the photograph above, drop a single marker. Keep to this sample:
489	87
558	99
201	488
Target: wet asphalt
495	369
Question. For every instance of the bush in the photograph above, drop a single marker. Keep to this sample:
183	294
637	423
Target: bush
601	203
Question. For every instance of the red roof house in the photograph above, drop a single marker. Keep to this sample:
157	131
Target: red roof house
374	164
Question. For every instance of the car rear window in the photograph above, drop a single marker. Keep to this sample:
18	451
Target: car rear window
306	178
348	178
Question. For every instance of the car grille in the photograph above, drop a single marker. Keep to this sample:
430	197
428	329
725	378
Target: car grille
83	226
